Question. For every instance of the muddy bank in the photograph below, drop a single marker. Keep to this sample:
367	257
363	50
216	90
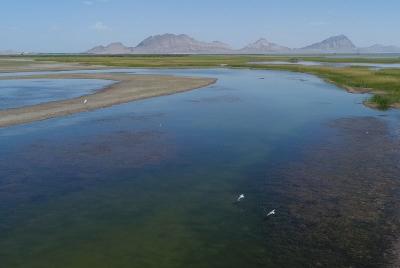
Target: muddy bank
127	88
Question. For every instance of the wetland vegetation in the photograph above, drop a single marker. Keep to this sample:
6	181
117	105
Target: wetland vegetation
383	83
154	181
215	134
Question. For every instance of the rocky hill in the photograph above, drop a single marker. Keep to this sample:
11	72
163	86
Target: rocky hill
113	48
263	46
171	43
333	44
184	44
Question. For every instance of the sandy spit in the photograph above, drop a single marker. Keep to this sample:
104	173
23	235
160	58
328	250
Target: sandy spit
126	88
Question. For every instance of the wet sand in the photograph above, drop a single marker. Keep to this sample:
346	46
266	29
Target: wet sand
126	88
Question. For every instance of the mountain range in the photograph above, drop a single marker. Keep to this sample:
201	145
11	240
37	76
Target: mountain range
165	44
184	44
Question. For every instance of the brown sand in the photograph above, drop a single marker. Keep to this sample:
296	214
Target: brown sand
127	88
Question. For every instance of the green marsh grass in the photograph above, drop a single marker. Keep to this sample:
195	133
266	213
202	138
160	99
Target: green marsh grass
384	83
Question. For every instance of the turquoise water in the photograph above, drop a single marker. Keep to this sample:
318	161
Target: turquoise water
18	93
153	183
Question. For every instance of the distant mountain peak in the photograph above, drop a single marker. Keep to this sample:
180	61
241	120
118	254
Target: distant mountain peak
262	45
262	40
113	48
116	44
179	43
379	48
333	43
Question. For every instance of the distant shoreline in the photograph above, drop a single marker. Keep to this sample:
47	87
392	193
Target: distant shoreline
383	85
126	89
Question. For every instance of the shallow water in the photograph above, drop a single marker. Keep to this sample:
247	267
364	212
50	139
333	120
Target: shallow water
153	183
18	93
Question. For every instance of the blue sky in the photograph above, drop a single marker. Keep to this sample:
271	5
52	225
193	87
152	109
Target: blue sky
77	25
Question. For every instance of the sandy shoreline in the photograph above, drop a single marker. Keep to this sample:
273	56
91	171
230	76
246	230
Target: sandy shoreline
127	88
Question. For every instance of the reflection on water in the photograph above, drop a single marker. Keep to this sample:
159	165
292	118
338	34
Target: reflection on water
153	183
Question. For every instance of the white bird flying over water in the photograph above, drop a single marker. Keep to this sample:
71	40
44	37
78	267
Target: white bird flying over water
272	212
240	197
84	101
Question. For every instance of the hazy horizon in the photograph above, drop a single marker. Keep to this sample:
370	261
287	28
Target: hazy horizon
75	26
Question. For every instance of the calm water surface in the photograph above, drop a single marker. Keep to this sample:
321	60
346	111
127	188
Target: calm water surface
18	93
153	183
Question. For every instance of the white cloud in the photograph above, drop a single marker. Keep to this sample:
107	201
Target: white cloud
100	27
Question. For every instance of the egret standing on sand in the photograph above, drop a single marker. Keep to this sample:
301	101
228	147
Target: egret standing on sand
85	101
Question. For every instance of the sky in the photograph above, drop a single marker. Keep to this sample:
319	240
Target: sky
77	25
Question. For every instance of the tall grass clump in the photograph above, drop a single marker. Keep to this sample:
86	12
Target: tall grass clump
381	101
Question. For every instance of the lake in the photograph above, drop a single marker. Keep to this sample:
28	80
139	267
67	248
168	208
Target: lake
154	183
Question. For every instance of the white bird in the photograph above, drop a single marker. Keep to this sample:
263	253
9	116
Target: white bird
84	101
240	197
272	212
